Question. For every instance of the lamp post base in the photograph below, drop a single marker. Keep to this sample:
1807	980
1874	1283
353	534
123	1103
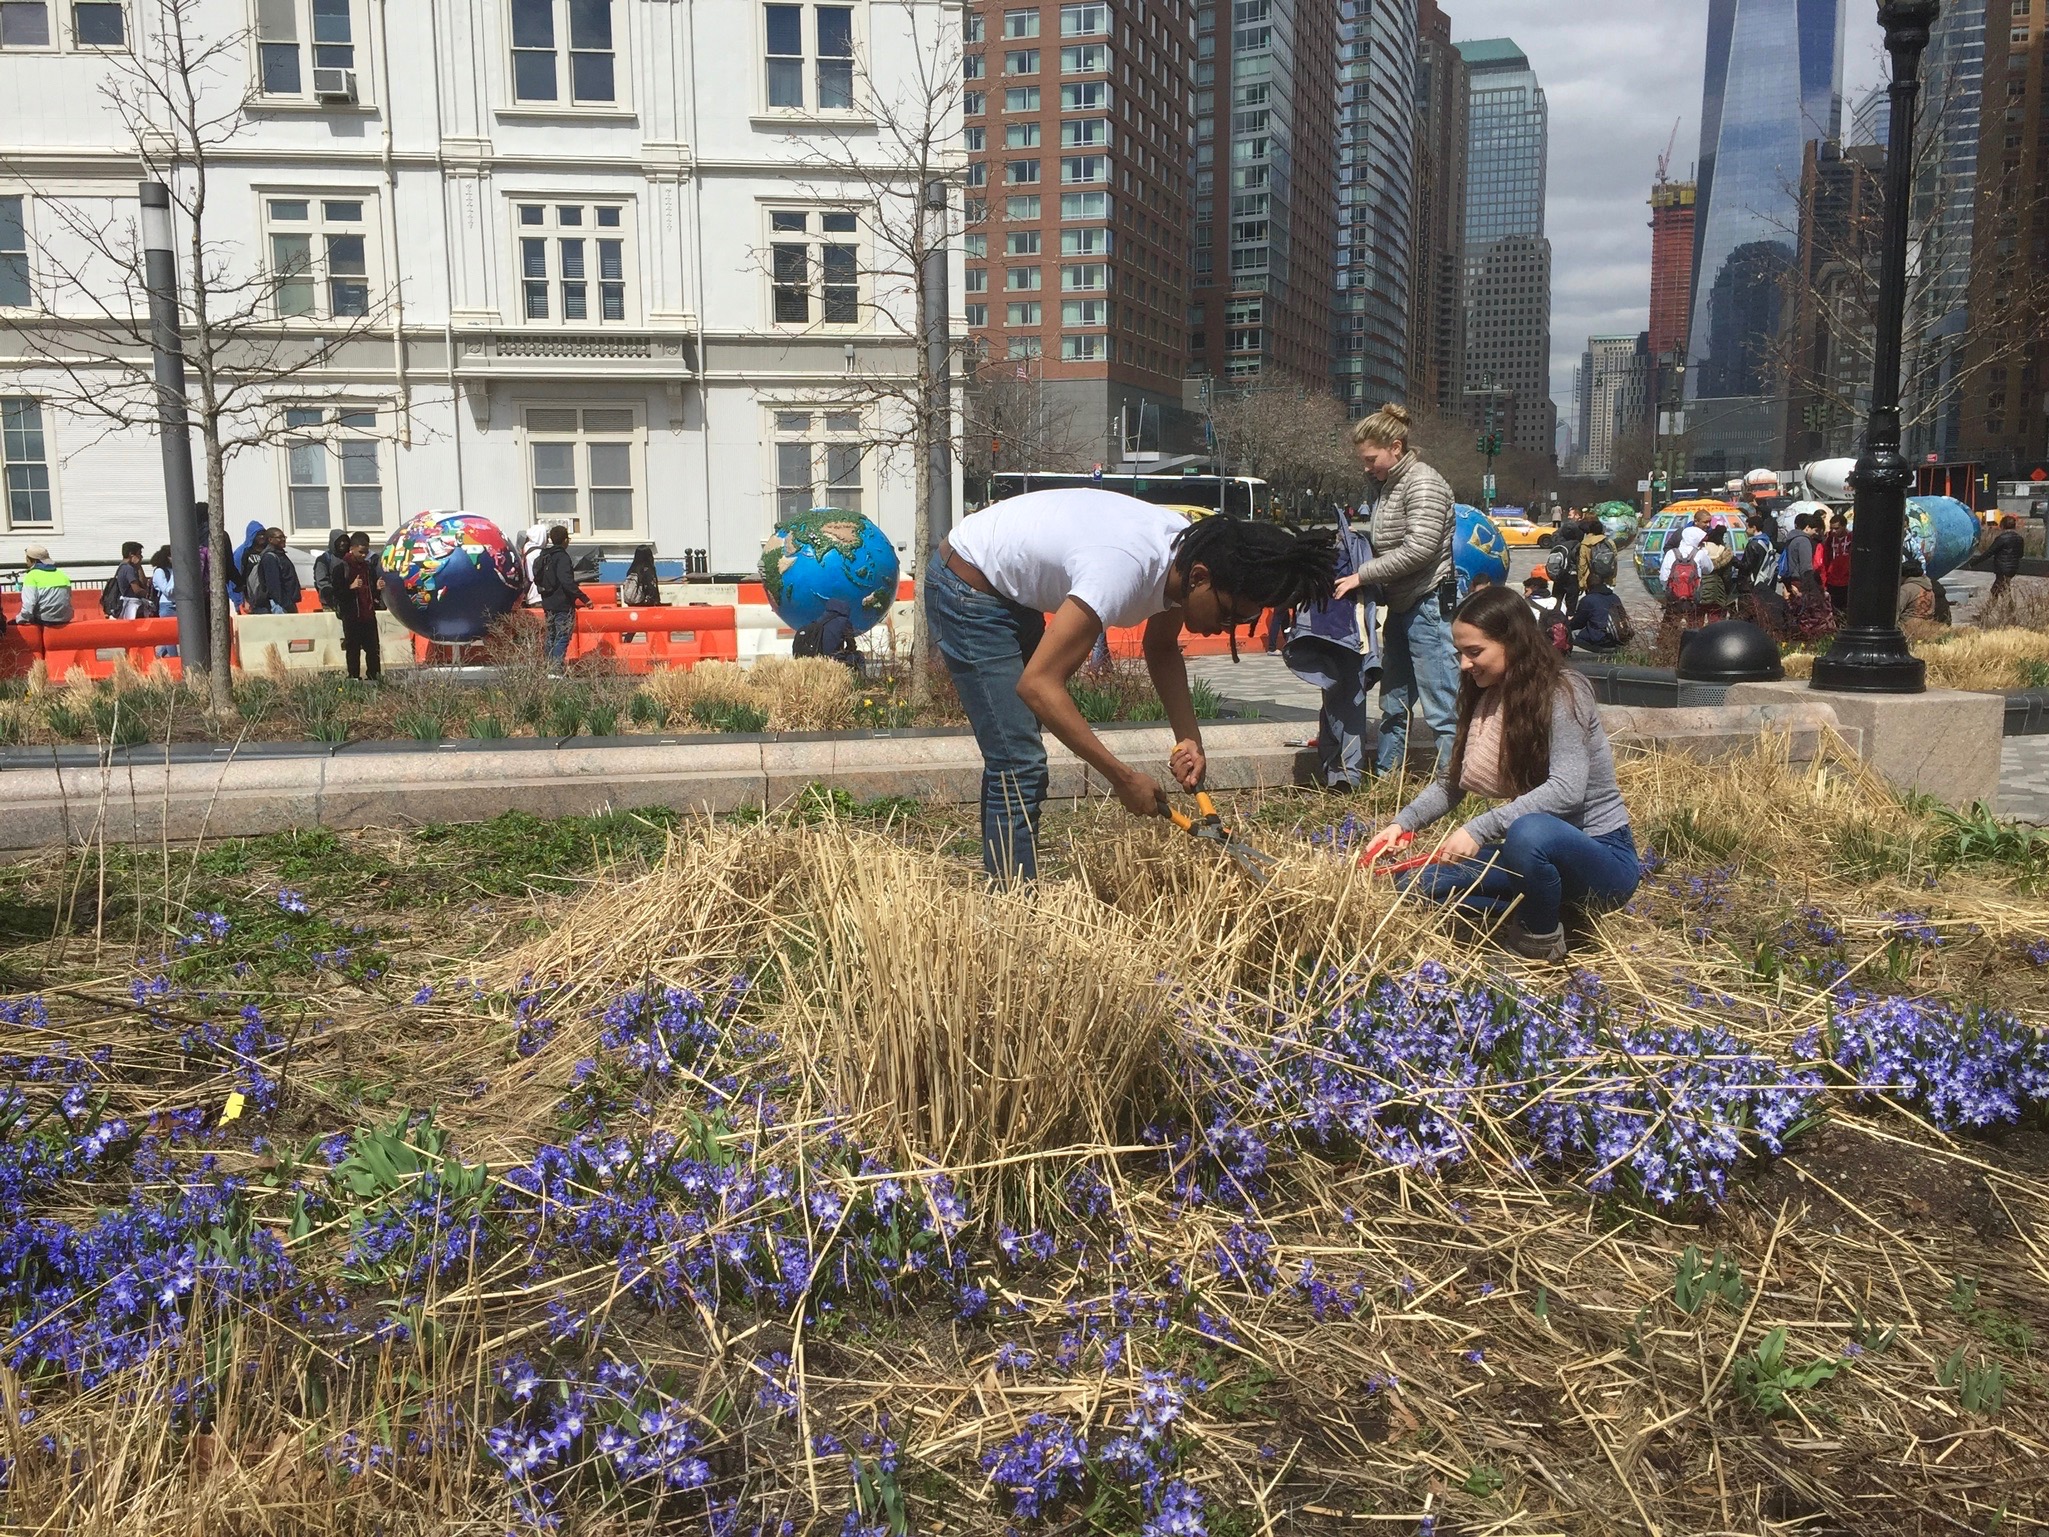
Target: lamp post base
1870	660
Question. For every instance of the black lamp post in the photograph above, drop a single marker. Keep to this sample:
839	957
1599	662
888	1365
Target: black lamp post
1870	654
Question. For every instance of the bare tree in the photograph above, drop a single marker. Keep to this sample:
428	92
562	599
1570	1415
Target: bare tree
907	145
256	335
1294	435
1012	420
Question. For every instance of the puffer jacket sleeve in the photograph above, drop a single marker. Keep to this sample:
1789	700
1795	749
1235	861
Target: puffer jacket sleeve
1427	504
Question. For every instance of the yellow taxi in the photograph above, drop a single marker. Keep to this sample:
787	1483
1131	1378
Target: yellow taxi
1519	533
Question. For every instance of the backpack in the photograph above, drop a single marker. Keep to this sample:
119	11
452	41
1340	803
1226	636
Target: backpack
111	596
546	582
1558	564
809	641
1685	582
1559	633
1601	561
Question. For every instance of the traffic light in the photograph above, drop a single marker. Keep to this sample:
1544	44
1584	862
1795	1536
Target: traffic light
1489	444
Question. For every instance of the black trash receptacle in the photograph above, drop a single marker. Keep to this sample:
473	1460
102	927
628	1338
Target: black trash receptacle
1716	656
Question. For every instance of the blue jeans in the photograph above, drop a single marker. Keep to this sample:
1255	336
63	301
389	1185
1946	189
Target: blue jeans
1418	670
1341	728
985	642
560	627
1546	862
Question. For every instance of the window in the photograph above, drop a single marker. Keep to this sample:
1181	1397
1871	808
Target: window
1087	59
1084	20
974	246
563	42
1021	136
572	262
1022	314
972	28
333	468
978	173
1021	98
1084	312
821	278
830	31
27	463
1021	242
1022	210
817	461
1085	132
1025	348
1088	96
1084	242
977	316
1020	24
319	256
1090	278
1021	61
974	140
1084	205
974	103
976	280
1085	168
1021	173
1084	349
972	67
285	32
29	24
582	466
98	26
1021	279
15	291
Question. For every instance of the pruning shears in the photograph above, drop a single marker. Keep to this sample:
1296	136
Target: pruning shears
1209	826
1403	866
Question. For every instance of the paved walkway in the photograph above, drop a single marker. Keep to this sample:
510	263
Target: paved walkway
1262	678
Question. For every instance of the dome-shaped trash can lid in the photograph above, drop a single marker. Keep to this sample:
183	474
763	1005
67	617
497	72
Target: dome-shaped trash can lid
1730	651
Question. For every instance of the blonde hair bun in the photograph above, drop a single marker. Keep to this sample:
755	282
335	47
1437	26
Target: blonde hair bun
1386	428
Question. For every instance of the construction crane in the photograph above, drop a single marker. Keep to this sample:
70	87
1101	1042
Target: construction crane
1665	160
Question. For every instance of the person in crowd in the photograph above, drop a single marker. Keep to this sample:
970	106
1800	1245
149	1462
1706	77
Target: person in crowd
561	595
127	590
2004	554
836	638
1333	646
1809	614
1835	562
1571	544
1528	735
642	588
1553	621
1751	580
1680	571
355	604
1411	527
1717	562
1091	559
45	590
280	577
1599	621
328	566
163	586
247	559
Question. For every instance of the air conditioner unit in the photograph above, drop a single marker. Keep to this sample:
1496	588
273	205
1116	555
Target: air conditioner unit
334	85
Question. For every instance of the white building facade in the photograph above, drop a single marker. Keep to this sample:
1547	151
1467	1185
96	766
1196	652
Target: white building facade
590	261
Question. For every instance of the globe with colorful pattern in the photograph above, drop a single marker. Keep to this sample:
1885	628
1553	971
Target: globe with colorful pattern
824	554
449	576
1478	551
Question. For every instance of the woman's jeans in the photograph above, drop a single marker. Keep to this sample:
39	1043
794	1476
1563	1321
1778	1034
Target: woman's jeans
1548	863
986	642
1419	670
1342	726
560	628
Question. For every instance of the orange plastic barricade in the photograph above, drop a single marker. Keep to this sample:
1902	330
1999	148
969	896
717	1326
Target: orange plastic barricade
663	637
1128	645
98	644
19	648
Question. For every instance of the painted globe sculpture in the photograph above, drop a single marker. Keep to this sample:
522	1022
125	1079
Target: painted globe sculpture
1619	521
1650	550
825	554
1478	551
1941	531
449	576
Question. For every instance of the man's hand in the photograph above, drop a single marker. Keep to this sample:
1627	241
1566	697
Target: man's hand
1140	794
1383	843
1189	764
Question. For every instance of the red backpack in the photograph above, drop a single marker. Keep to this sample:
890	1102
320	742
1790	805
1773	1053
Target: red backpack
1685	583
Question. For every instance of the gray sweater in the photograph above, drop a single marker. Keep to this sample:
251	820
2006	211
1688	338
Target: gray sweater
1581	789
1413	523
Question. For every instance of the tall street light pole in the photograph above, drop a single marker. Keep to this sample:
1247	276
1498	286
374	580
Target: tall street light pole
160	275
938	391
1870	654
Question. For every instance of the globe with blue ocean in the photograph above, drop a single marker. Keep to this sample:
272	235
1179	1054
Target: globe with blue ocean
824	554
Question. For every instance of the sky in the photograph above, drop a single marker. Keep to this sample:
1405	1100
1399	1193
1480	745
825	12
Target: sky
1617	74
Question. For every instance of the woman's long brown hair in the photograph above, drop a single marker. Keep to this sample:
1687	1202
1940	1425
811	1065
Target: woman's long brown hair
1528	689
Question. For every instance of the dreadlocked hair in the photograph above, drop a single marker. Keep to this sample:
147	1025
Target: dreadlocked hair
1265	563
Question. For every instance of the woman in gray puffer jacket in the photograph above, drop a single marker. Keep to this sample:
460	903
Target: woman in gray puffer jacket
1414	520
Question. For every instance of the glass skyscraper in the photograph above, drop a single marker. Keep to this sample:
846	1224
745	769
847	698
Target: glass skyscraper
1774	84
1376	188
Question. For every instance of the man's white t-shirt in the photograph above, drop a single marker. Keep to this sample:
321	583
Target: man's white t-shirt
1110	550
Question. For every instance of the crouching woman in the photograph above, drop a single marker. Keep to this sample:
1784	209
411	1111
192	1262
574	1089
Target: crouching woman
1529	737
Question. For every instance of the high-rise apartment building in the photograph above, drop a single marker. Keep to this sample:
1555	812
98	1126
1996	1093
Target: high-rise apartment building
1944	219
1078	202
1437	243
2005	418
1773	86
1508	260
1871	119
1376	269
1672	219
1266	79
1828	342
1613	379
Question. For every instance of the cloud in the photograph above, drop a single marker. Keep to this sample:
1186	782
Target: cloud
1618	74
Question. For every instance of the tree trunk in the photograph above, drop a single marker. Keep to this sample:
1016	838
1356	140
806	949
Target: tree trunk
220	622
